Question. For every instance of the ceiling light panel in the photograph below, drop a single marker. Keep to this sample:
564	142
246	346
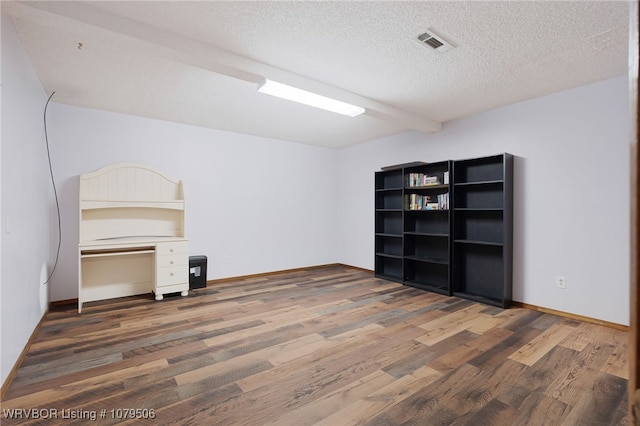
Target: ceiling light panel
308	98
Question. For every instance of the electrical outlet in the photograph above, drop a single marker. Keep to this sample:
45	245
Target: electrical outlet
561	282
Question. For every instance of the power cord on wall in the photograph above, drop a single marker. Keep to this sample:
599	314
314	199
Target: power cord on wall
55	192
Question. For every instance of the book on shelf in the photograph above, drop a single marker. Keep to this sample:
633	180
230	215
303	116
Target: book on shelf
443	201
421	179
416	201
424	202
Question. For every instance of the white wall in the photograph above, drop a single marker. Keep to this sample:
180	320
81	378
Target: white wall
264	204
571	213
25	201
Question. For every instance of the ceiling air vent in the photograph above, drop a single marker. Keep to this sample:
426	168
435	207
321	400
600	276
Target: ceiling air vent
434	42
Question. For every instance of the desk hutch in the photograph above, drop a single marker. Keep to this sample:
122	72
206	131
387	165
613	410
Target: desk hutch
131	238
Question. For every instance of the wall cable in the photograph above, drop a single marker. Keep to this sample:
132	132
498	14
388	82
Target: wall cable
55	192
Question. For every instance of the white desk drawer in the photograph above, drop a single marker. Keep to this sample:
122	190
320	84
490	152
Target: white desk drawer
172	275
171	260
172	248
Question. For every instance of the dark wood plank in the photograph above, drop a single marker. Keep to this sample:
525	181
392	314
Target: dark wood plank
601	405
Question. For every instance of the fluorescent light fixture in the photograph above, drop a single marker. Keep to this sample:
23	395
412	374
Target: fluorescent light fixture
302	96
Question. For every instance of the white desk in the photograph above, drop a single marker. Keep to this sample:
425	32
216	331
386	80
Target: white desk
131	234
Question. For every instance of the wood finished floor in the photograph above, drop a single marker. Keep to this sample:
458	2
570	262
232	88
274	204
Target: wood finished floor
328	346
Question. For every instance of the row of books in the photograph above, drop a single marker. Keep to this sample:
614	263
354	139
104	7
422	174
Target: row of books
423	202
443	201
421	179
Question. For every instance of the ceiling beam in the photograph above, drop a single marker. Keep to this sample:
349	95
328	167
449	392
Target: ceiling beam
191	52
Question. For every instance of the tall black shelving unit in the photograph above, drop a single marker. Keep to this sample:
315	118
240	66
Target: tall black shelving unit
389	218
447	227
427	227
483	229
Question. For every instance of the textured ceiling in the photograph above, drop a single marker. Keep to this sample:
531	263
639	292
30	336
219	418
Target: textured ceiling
199	62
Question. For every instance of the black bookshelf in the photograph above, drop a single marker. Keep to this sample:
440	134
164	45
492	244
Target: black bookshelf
483	229
446	227
389	218
427	227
